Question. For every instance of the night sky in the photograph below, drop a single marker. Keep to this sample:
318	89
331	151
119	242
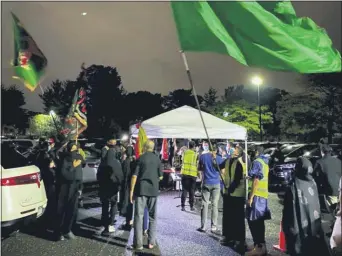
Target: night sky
138	38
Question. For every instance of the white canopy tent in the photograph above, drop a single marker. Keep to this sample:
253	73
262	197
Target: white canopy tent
185	122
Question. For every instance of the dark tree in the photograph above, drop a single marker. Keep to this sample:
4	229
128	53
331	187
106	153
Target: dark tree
329	86
210	97
141	105
58	97
179	98
104	99
12	111
303	116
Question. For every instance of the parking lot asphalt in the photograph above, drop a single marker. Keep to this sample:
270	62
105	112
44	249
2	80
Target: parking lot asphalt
176	235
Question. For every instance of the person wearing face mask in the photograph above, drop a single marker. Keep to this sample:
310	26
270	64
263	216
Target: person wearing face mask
210	177
234	197
301	221
69	179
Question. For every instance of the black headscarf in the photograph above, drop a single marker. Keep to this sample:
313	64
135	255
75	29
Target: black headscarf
303	169
301	213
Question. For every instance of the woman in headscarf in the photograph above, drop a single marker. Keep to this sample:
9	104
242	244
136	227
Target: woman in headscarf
128	167
301	214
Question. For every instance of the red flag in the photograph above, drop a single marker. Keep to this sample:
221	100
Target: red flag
164	151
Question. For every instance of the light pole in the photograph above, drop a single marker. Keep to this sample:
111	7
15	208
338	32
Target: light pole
52	114
256	80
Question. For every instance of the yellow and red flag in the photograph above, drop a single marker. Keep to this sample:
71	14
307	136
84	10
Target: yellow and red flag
142	138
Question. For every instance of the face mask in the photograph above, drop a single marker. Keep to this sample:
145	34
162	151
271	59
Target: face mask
49	148
206	148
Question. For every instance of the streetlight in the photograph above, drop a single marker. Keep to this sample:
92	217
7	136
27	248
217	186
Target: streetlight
257	80
52	114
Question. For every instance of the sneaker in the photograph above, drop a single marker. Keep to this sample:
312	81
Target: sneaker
70	236
215	231
59	238
201	230
111	229
258	250
135	248
192	209
183	209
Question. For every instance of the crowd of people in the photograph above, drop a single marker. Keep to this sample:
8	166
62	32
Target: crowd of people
131	187
302	213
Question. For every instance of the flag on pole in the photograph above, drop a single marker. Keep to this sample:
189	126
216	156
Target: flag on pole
256	34
139	145
76	121
164	150
29	61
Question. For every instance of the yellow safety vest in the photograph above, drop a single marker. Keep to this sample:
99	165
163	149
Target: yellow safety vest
262	189
229	176
189	166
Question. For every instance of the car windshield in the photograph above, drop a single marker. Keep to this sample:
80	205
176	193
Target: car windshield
302	150
10	158
269	151
289	148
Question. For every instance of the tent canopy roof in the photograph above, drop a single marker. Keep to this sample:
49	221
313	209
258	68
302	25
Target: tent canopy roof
185	122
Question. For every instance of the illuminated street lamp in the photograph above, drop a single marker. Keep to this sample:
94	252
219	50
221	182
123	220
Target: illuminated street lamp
257	80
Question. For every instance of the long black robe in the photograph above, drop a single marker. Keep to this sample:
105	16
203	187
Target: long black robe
302	216
128	167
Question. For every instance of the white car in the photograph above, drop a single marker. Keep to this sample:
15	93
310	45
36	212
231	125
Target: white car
23	197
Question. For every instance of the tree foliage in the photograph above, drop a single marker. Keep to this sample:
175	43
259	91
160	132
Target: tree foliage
243	113
210	97
42	125
329	86
12	111
179	98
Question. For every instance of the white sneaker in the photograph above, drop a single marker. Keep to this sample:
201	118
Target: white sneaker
111	229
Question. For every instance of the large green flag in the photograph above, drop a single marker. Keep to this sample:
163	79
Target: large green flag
256	34
29	61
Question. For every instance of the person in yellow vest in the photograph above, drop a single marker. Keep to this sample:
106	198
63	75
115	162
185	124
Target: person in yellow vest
257	210
234	196
189	174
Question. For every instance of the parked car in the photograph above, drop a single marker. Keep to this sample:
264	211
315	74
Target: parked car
281	169
284	171
24	146
23	196
90	169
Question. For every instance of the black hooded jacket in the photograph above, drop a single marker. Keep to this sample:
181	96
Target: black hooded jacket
110	175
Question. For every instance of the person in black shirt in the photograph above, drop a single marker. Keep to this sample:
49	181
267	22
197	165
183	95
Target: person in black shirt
128	166
145	185
110	177
69	177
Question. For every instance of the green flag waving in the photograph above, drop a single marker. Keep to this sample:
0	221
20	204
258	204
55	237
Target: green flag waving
256	34
29	61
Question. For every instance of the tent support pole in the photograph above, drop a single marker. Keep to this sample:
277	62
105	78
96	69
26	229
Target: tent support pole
199	108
